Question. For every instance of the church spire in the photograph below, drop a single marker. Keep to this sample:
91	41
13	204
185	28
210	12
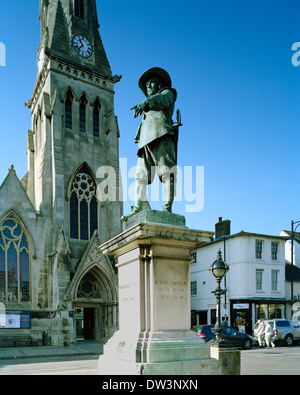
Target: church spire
69	29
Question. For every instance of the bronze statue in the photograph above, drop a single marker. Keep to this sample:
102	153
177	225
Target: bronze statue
157	138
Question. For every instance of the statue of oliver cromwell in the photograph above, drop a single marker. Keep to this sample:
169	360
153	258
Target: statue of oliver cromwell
157	138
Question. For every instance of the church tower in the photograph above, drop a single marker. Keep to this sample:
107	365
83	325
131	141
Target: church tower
74	138
72	109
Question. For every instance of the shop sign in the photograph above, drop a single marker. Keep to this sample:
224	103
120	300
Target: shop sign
241	306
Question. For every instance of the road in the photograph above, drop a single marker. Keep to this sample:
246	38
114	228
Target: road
272	361
276	361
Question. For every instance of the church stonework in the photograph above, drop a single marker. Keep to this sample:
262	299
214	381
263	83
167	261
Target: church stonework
52	221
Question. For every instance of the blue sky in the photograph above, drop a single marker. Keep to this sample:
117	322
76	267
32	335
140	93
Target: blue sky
238	93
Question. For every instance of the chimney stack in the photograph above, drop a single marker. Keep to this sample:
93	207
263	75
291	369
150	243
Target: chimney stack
222	228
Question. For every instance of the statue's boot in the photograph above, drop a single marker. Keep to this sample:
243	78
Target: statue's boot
141	201
170	193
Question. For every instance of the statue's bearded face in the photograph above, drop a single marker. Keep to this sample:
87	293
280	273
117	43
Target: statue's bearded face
153	86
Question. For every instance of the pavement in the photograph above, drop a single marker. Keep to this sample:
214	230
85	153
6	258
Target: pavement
82	348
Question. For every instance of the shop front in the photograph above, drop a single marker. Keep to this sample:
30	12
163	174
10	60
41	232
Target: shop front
244	314
269	310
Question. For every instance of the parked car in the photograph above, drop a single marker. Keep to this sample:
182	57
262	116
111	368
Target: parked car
285	331
236	338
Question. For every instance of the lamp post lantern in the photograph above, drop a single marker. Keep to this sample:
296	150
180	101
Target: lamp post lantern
218	269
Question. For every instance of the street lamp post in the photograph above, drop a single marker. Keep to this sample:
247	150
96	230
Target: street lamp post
218	269
292	255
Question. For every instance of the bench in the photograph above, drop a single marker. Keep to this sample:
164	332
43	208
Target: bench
7	340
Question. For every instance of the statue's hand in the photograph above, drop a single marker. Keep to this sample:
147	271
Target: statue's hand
140	108
137	110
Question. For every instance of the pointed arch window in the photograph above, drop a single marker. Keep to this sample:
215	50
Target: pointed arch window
14	262
79	9
69	110
96	118
83	206
82	114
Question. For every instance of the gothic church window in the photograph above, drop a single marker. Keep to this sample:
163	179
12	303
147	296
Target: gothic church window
83	206
96	118
14	262
82	114
68	110
79	9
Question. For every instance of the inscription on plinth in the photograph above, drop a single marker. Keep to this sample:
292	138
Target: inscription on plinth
129	299
127	292
171	290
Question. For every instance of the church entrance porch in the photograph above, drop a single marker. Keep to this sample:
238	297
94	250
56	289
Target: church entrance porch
93	295
95	314
95	321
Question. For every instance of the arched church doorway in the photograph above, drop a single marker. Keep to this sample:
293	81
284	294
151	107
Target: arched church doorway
85	322
95	307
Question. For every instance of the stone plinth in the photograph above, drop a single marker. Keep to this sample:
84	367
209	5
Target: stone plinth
154	334
154	216
229	359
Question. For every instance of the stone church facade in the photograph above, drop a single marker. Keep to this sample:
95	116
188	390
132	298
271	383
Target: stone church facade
52	220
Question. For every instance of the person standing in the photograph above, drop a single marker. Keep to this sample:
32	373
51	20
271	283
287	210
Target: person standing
269	335
260	333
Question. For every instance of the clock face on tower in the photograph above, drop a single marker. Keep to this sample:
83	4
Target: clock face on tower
82	46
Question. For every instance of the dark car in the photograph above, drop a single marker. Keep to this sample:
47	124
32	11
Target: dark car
236	338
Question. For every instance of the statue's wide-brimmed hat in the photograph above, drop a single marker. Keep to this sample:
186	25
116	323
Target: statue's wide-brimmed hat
155	72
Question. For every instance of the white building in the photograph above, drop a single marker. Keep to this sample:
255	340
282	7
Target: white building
292	274
296	249
255	282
